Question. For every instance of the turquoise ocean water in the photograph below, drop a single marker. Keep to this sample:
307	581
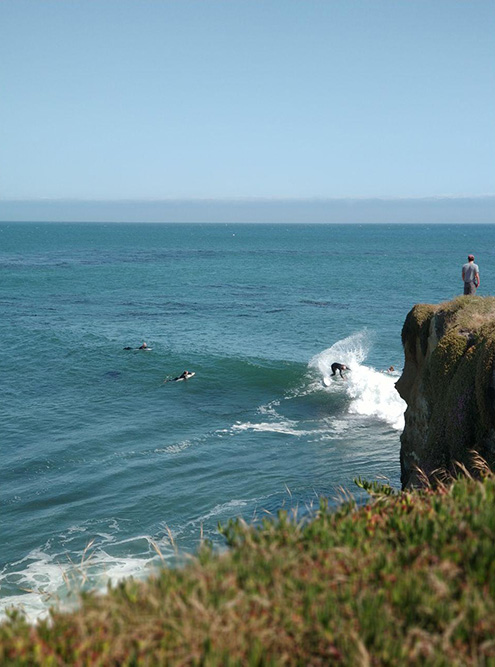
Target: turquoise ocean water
97	450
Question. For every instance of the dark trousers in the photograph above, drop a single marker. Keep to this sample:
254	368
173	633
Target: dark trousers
470	288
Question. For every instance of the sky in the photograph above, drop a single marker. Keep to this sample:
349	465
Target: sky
246	100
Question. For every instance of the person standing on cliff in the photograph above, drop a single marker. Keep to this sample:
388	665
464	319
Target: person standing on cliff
471	276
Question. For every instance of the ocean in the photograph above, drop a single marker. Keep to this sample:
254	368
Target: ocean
107	470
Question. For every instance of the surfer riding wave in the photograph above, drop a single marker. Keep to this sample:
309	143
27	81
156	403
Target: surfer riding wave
371	392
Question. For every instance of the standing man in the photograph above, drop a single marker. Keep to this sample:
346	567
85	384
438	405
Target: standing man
471	276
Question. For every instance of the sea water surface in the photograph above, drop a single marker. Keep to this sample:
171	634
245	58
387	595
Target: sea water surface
104	464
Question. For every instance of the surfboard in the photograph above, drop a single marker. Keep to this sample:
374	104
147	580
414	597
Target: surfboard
179	379
187	378
326	381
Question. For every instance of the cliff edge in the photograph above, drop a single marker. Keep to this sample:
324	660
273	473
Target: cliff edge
448	383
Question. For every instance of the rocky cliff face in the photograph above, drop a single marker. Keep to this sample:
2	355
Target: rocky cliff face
448	384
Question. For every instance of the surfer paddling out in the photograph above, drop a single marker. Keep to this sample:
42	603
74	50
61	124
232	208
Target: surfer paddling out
183	376
144	346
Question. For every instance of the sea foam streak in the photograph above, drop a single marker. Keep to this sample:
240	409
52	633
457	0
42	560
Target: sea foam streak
49	579
372	392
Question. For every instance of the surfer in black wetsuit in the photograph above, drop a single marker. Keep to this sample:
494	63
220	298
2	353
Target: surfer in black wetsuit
142	347
183	376
339	367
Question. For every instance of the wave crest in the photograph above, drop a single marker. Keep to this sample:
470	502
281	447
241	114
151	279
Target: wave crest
372	392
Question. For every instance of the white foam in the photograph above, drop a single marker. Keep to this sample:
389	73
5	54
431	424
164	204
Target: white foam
174	449
351	351
327	432
228	508
44	580
285	427
269	408
372	392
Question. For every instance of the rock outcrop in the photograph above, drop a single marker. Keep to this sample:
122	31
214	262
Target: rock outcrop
448	384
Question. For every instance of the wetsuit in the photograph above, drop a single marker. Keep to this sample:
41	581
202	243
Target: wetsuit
338	367
184	376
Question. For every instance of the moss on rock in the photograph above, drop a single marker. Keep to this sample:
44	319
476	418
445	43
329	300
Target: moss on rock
443	363
416	326
449	385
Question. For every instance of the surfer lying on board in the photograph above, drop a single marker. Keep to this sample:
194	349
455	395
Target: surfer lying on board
142	347
339	367
183	376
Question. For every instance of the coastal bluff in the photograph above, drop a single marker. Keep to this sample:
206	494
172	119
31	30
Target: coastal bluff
448	383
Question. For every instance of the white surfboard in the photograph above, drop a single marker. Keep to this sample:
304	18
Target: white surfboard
180	379
186	378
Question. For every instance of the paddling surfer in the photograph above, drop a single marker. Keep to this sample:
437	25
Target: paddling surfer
183	376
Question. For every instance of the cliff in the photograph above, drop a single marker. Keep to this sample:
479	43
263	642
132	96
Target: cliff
448	384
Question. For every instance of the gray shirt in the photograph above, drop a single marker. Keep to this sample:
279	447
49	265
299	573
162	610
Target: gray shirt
470	270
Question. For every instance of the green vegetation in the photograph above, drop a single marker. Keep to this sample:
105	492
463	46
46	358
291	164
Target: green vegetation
417	326
408	579
469	312
465	314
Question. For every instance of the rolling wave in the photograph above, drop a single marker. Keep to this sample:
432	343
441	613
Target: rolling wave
372	393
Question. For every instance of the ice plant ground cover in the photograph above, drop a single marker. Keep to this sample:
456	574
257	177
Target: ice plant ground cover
409	578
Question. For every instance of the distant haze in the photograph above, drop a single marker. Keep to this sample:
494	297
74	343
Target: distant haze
420	210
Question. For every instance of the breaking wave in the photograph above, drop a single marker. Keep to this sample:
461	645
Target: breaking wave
372	393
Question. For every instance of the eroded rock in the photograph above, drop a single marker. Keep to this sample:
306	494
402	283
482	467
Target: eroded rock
448	384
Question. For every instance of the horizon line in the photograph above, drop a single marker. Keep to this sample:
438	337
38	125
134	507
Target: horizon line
362	210
248	199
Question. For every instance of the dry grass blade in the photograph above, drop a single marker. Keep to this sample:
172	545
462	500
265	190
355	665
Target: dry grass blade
157	549
463	469
171	538
86	549
423	478
85	561
343	495
480	464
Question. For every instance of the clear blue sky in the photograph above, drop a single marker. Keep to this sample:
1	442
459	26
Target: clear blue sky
160	99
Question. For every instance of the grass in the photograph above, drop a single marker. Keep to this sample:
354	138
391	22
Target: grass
469	312
408	579
464	313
